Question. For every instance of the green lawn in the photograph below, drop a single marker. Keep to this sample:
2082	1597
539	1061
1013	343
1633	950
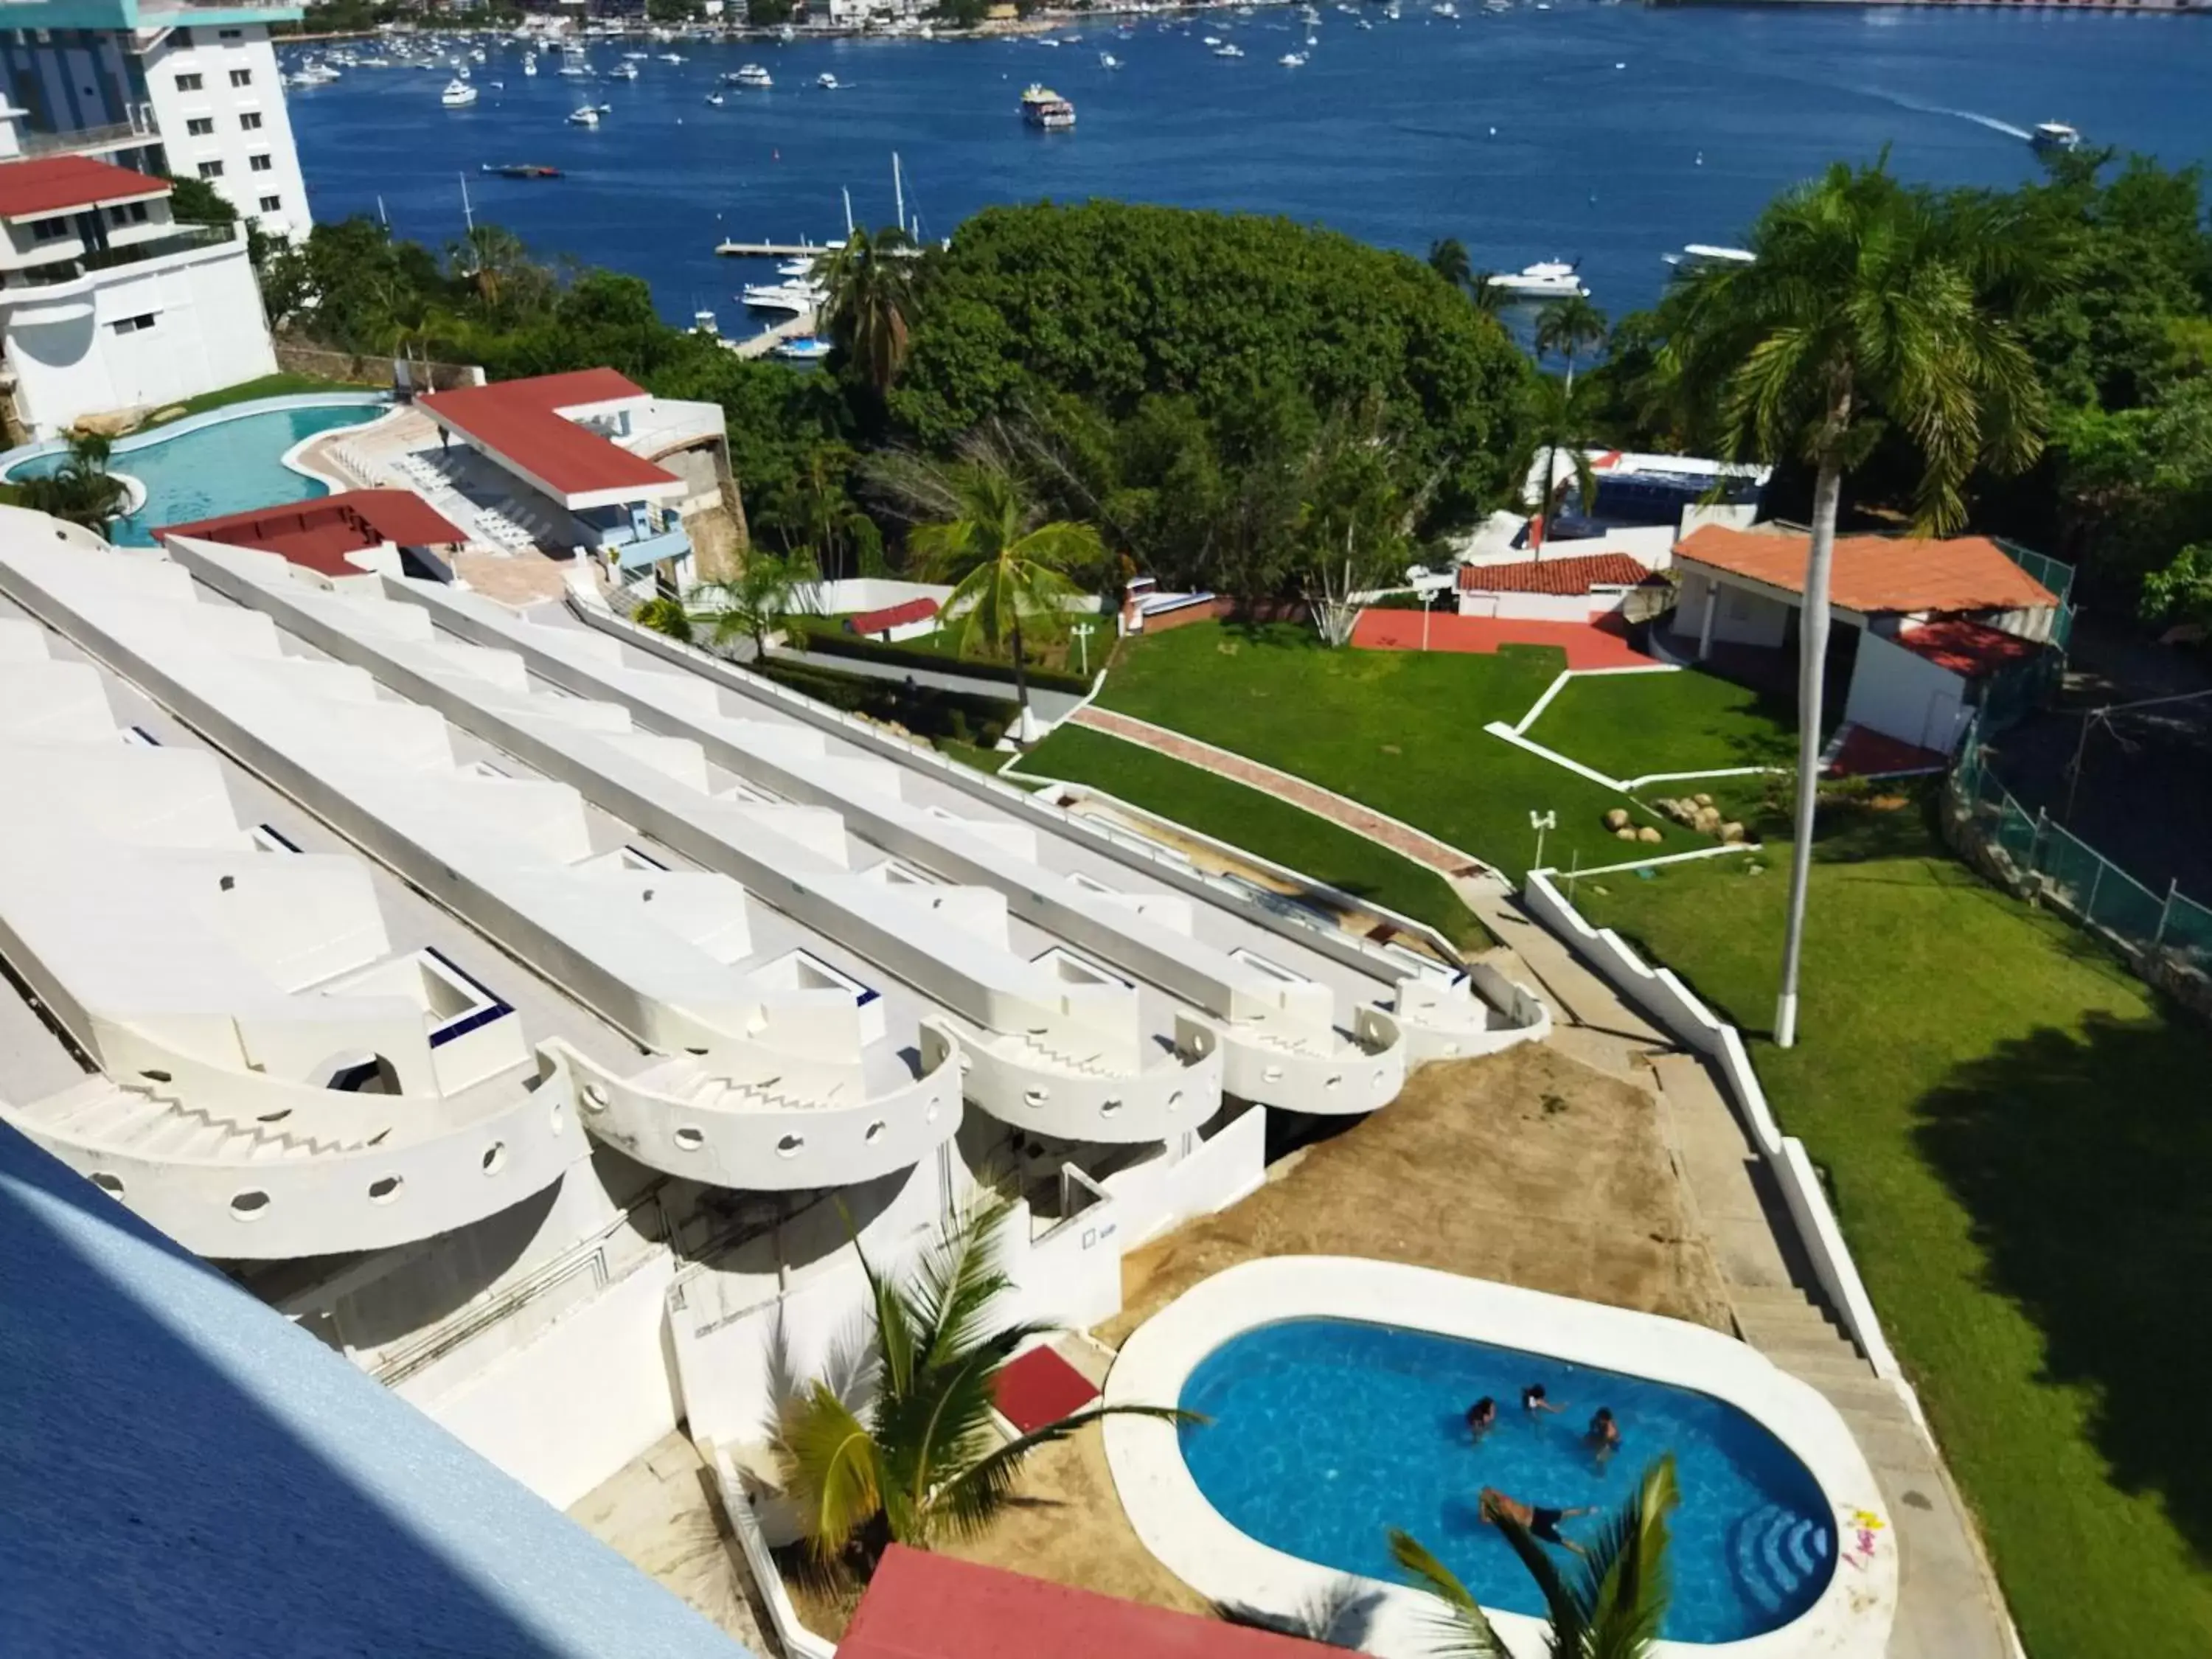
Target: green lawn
2018	1137
269	386
1399	731
1245	817
1629	725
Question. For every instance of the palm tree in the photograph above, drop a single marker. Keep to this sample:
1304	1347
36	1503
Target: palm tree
1006	568
921	1463
1447	259
81	490
1558	418
1608	1605
753	603
870	278
1567	324
1861	312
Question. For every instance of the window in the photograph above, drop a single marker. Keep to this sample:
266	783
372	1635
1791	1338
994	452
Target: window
233	35
211	169
49	230
133	324
241	78
131	213
200	127
250	122
260	163
188	83
272	204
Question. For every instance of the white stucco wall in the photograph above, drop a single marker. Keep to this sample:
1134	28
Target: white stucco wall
70	360
1743	617
1905	696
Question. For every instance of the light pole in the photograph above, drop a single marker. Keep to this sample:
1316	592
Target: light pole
1540	822
1083	632
1414	574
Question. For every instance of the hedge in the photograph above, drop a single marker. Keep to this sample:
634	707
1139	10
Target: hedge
828	637
923	710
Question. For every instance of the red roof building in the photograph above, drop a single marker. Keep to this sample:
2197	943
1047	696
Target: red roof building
318	535
870	622
921	1605
63	184
1966	648
533	430
1874	574
1564	575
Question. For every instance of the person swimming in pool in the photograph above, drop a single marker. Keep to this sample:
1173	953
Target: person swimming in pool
1482	1417
1603	1437
1541	1522
1531	1400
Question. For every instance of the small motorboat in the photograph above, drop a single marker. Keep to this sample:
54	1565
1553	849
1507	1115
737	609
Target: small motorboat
1292	60
521	170
1230	50
457	95
826	81
585	117
752	74
1107	60
805	348
2055	136
714	99
622	72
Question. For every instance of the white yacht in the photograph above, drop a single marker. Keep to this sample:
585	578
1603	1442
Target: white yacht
622	72
1210	40
585	117
1292	60
826	81
796	297
1229	50
1445	8
1043	107
457	95
714	99
2055	136
752	74
1547	279
1106	60
1694	254
530	65
671	57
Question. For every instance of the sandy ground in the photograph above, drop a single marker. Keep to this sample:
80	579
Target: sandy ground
1524	1167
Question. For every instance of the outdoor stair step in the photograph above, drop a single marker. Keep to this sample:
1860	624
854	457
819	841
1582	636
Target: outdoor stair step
1900	1446
1871	1397
1774	1322
1779	1296
1840	1363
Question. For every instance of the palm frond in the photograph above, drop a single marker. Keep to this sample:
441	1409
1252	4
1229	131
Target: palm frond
1627	1570
1462	1629
830	1468
964	1503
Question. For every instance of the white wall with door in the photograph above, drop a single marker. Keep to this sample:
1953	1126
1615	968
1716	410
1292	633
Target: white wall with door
1904	695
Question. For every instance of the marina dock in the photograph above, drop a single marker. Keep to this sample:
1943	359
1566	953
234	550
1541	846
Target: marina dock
774	250
759	345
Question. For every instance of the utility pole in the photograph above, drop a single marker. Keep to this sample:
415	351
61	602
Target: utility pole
1083	632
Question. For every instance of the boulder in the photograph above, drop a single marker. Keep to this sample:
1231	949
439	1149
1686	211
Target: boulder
1617	819
1647	834
1624	834
1706	821
1731	832
1703	800
174	411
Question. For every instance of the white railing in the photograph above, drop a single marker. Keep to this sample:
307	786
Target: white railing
1669	1001
1023	1088
790	1635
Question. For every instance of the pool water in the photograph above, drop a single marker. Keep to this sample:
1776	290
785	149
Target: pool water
228	467
1325	1433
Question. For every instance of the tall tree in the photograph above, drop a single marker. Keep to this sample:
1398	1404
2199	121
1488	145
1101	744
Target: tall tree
1861	312
1447	259
81	490
921	1463
1566	325
1559	418
1006	568
1608	1605
868	312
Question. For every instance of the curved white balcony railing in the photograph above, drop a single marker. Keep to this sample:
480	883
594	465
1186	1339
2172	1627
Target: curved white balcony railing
1027	1085
1352	1075
765	1142
236	1165
1481	1014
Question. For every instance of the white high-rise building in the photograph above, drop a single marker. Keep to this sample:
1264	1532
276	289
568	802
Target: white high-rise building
159	86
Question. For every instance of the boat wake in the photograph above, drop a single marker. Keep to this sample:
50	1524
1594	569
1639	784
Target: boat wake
1980	120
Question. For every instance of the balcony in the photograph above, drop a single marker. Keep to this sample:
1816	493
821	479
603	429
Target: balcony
120	134
184	239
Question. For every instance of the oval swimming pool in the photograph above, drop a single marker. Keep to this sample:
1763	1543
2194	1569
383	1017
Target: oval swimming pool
1325	1433
228	466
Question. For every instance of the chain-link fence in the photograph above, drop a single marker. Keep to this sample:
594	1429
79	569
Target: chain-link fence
2054	575
2041	859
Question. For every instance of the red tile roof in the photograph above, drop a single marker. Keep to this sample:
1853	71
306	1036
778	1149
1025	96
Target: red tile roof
891	616
516	420
1575	574
1040	1387
921	1605
1878	573
1966	648
320	533
31	190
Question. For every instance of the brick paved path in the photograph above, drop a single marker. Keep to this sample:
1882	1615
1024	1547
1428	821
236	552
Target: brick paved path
1340	810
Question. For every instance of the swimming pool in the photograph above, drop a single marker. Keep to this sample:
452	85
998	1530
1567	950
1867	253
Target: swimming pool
1327	1432
228	465
1337	1387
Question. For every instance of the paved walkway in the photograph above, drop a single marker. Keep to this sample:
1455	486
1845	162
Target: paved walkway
1049	706
1341	810
1587	644
660	1511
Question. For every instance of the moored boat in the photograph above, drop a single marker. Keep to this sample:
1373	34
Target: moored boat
1547	279
1042	107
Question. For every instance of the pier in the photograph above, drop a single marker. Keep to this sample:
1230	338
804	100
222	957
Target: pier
759	345
774	250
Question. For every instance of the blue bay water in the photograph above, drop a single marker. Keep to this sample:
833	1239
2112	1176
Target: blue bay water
1326	1433
1386	134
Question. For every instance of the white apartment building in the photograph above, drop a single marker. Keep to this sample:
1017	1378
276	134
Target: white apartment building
190	89
528	1009
105	303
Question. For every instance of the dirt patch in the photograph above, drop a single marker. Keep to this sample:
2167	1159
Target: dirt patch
1523	1167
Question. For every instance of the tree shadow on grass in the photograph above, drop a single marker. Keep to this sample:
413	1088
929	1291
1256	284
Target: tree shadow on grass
2083	1161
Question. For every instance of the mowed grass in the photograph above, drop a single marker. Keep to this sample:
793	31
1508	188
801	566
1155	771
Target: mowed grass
1398	730
1630	725
1260	824
279	384
2019	1136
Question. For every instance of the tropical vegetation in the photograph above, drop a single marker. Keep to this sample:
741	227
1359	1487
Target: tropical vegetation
752	604
81	490
1606	1604
905	1452
1867	315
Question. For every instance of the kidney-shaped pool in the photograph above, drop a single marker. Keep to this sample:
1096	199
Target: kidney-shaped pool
1325	1433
